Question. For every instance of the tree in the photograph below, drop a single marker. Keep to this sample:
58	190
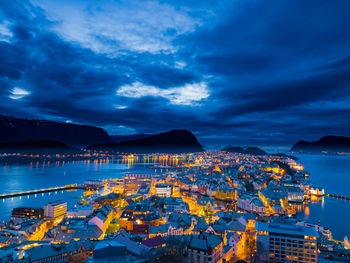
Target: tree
174	251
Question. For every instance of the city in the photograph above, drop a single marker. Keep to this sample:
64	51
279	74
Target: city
198	207
185	131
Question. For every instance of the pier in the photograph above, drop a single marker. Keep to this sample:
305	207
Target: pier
338	196
43	190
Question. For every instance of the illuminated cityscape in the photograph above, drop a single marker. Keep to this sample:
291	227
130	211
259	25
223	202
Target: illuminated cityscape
212	206
141	131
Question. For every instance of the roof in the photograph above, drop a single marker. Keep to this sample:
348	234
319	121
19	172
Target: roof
204	241
108	243
58	202
205	201
132	246
286	229
153	242
236	226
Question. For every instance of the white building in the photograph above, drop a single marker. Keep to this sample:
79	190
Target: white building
284	242
163	190
56	209
80	211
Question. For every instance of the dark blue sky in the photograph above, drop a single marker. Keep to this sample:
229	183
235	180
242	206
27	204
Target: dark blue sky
241	72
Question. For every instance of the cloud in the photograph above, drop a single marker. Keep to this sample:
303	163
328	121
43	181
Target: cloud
5	32
120	107
189	94
112	27
18	93
222	69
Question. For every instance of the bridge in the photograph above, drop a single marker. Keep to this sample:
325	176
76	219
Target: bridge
338	196
43	190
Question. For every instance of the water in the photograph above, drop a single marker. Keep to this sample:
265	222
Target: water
16	178
331	172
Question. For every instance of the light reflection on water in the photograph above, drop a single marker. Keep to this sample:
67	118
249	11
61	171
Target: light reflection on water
331	172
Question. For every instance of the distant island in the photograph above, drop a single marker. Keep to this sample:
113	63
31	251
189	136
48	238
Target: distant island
174	141
325	145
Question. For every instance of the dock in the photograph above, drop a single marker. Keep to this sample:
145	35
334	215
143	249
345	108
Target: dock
338	196
42	190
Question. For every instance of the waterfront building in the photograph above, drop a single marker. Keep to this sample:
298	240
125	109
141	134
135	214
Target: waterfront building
55	209
94	184
284	242
27	212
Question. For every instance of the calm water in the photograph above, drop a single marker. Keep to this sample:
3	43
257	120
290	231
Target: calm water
330	172
17	178
333	174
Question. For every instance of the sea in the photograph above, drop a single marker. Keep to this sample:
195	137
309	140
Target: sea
332	172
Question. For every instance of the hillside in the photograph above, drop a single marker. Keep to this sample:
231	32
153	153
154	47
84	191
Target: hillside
127	138
17	129
329	144
174	141
248	150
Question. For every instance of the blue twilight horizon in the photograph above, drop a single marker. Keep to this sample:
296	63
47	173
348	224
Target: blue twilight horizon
233	72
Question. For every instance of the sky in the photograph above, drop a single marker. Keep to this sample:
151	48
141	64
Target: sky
234	72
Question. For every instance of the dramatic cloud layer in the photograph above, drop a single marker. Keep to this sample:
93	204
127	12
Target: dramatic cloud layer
240	72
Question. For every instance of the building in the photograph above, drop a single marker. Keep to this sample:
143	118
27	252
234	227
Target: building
56	209
75	251
80	211
94	184
204	205
28	212
205	247
163	190
284	242
132	182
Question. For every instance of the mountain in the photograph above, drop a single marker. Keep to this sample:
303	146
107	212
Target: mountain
37	147
330	144
174	141
248	150
17	129
126	138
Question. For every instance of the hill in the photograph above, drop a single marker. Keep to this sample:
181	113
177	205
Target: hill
37	147
329	144
127	138
174	141
17	129
248	150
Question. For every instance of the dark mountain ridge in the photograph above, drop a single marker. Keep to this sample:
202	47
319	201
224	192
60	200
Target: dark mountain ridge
174	141
330	144
127	138
16	129
248	150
